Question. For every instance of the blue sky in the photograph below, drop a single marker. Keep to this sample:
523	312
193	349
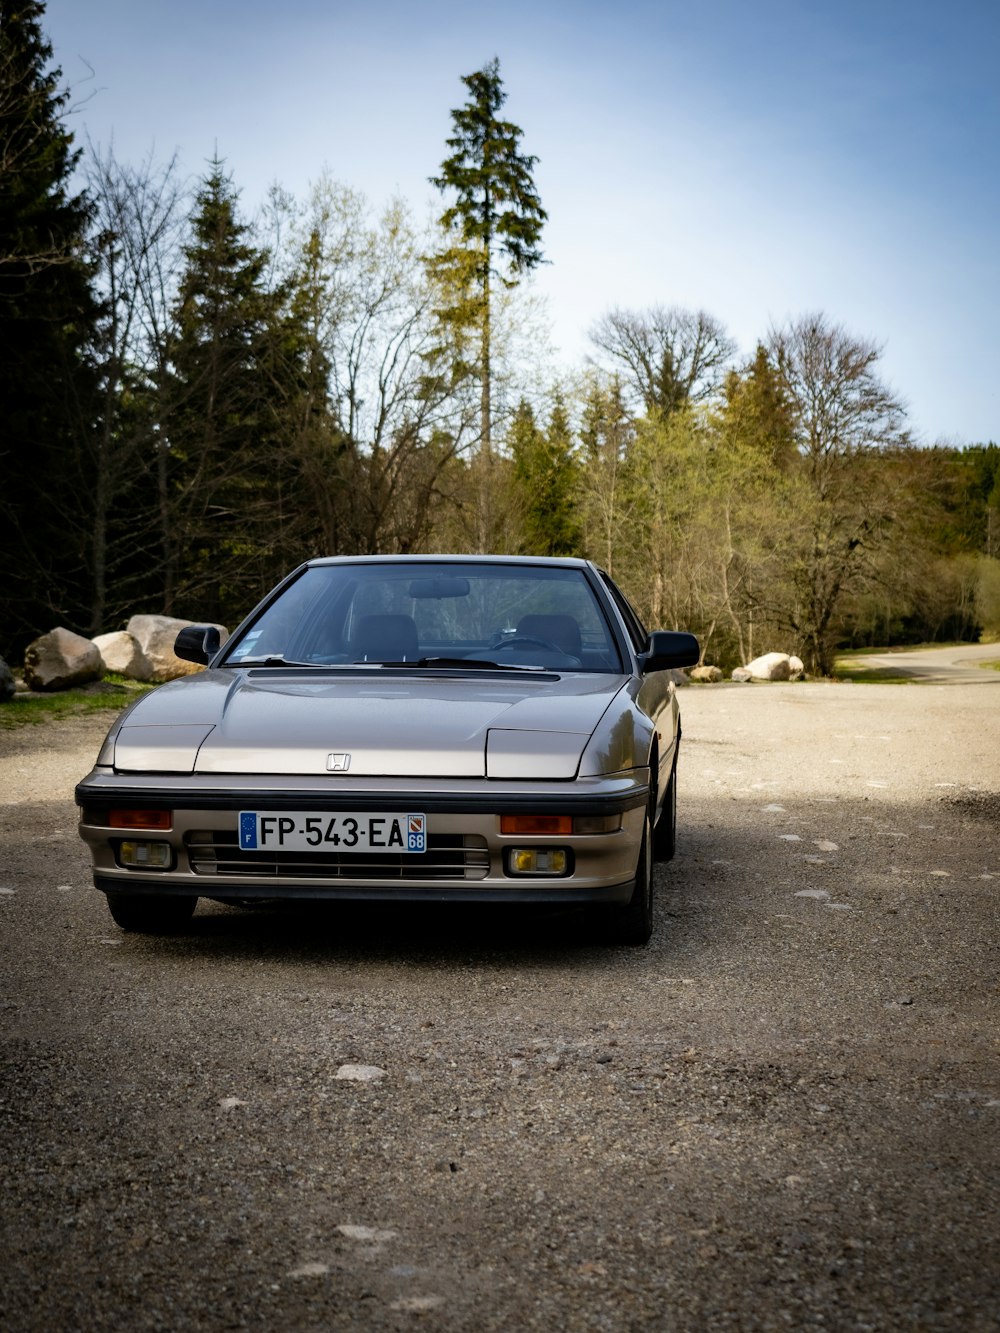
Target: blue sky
755	158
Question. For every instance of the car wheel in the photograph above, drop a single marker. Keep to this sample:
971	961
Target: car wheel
665	833
151	914
633	923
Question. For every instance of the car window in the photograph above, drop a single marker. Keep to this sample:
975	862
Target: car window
532	615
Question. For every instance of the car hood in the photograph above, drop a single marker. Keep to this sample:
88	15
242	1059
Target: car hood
398	725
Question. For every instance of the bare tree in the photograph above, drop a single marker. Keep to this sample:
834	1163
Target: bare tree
669	358
364	296
844	417
138	222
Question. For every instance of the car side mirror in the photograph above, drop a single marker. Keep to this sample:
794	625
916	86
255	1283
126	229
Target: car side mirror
667	649
197	643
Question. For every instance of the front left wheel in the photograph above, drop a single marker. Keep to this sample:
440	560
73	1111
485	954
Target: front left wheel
665	832
151	914
633	923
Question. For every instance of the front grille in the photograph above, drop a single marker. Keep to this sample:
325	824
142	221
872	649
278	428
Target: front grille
448	856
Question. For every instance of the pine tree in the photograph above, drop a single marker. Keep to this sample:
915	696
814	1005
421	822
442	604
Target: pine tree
494	227
546	475
47	320
757	412
232	368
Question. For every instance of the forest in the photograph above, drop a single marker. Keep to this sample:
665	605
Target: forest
195	399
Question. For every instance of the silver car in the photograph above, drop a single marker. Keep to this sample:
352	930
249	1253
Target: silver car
474	728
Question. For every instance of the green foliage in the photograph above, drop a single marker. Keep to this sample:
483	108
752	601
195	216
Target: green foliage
757	412
845	420
232	366
492	229
47	328
607	435
545	473
988	597
497	212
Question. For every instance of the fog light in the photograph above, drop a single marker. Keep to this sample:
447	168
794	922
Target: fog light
145	855
538	861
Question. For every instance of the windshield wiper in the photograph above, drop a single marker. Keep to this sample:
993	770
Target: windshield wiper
472	662
270	662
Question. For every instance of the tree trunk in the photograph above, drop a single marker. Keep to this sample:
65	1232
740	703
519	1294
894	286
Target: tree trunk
484	499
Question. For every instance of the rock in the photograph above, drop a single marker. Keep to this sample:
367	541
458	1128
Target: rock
742	674
60	659
772	666
360	1073
8	685
155	636
121	653
710	674
797	667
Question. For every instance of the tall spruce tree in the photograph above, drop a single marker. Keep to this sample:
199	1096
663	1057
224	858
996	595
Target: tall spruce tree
47	320
494	226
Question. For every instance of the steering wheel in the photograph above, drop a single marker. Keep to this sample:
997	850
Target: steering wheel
527	641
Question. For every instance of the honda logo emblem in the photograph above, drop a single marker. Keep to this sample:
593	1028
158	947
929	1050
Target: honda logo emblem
338	763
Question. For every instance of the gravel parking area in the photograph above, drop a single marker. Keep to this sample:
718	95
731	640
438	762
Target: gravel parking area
783	1114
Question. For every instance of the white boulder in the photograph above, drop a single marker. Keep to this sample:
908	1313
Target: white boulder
121	653
155	636
772	666
60	659
797	668
743	675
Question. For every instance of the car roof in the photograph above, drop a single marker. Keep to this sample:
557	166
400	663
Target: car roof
557	561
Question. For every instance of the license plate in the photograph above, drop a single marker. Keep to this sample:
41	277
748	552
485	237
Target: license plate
359	831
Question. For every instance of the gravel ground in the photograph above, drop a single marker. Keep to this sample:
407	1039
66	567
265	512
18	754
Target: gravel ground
783	1114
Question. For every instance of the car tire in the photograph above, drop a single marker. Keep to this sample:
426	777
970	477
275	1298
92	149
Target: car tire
151	914
633	923
665	833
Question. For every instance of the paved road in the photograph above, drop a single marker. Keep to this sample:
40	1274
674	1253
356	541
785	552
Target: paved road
783	1114
960	664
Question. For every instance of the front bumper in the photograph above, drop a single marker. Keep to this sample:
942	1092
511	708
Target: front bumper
465	858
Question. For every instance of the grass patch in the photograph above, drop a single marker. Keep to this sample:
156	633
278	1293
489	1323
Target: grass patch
862	675
847	666
109	695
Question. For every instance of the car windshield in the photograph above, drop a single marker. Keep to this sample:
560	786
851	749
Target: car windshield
474	615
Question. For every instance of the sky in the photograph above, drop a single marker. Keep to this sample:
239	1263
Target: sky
757	159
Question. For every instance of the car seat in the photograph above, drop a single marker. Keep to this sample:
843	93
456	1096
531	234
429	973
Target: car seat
385	638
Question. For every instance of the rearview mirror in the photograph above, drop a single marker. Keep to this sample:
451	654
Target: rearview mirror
197	643
438	588
668	649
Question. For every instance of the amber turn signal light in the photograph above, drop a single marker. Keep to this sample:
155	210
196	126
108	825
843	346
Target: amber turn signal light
539	824
162	820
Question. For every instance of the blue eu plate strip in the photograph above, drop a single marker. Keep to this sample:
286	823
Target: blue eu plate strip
248	829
